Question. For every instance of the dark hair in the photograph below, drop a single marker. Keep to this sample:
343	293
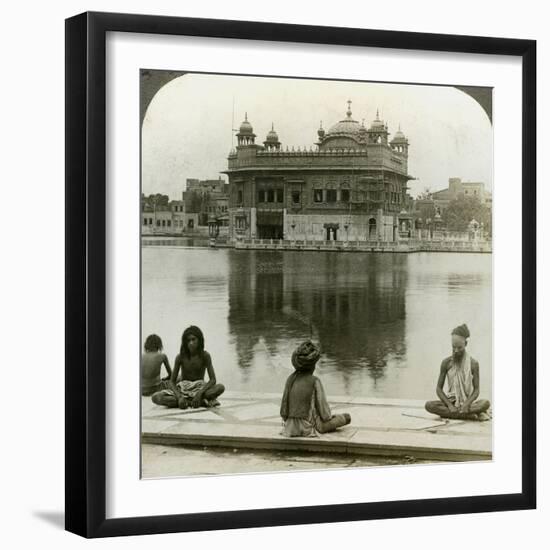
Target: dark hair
307	370
194	331
153	343
462	330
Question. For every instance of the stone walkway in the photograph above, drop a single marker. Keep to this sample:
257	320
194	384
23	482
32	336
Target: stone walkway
379	427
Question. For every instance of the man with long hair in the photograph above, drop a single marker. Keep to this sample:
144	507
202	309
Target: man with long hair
187	385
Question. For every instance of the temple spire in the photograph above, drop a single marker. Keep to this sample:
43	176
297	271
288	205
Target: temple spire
320	131
348	112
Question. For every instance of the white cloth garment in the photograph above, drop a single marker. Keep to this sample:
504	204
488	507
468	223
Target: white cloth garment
460	380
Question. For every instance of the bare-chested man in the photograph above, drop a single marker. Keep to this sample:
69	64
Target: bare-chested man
462	374
304	407
187	385
151	363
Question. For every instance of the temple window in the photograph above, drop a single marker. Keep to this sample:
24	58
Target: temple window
279	195
295	197
331	195
318	195
345	195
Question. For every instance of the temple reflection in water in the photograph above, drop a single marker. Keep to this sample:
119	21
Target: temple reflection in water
383	320
352	305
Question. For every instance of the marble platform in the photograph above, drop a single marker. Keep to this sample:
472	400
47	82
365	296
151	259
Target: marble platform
379	427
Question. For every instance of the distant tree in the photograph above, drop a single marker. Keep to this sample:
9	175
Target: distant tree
426	194
160	200
155	201
462	210
425	209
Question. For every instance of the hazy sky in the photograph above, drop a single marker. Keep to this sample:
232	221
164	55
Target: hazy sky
187	127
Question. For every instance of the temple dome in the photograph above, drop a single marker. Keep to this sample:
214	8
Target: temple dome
399	137
246	127
272	136
348	126
377	124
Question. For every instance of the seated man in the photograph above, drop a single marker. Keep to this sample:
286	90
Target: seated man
151	363
304	407
462	374
190	389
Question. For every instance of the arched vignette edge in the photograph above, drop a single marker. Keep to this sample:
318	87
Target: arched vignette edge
153	80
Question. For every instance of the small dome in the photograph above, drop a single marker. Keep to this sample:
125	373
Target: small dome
246	127
399	136
377	124
272	136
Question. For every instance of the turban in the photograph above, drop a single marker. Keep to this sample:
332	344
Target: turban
305	356
462	330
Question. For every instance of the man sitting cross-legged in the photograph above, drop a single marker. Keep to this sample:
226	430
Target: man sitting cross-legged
304	407
462	374
190	389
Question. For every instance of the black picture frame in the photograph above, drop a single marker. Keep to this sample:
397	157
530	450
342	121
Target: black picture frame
86	275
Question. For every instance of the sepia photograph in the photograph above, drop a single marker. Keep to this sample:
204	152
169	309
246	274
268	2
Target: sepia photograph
316	274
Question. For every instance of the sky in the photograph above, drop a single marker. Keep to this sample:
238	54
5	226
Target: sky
187	130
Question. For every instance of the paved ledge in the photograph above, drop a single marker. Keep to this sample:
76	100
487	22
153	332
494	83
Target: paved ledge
379	427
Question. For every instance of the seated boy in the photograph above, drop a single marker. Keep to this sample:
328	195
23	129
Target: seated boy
190	388
304	407
151	362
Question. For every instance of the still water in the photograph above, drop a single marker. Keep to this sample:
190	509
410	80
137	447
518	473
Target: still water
383	321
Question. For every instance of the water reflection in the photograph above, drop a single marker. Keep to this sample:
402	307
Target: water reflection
382	320
352	304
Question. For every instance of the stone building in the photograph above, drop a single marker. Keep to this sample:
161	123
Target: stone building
351	185
458	188
157	222
167	220
207	198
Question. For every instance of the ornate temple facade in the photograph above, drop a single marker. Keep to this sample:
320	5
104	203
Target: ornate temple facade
350	186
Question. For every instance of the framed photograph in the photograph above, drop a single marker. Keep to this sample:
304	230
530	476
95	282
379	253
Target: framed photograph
300	274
